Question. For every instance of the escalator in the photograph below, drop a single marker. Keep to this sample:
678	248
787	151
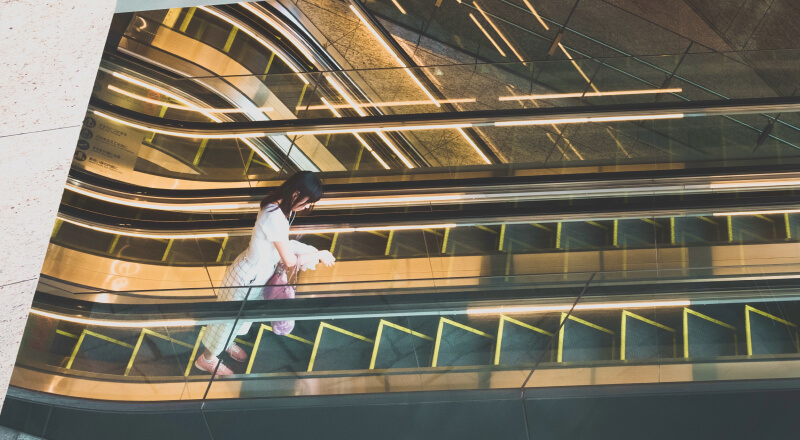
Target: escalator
467	237
455	336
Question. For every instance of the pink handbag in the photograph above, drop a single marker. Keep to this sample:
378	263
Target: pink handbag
278	287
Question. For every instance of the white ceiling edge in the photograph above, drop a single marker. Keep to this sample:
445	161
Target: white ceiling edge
148	5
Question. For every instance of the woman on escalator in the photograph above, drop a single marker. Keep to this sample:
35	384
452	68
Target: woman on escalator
269	246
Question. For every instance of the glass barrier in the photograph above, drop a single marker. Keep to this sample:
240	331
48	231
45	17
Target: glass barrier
593	329
272	85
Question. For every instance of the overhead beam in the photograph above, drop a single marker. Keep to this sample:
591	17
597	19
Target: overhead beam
445	120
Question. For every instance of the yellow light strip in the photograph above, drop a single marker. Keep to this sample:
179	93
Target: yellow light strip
564	308
358	136
183	107
783	211
162	206
394	55
589	94
535	14
388	104
143	235
591	119
494	43
756	183
563	49
117	324
496	29
205	112
399	7
257	38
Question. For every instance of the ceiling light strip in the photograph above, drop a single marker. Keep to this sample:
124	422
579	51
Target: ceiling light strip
399	7
393	54
577	67
496	29
589	94
486	34
535	14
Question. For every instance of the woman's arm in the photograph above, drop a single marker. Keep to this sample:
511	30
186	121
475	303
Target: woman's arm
301	248
290	259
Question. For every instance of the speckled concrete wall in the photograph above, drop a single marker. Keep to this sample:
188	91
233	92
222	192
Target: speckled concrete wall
52	49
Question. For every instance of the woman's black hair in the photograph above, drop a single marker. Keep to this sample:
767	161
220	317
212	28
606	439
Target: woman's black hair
296	188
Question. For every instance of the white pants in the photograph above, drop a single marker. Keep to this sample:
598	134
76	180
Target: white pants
241	273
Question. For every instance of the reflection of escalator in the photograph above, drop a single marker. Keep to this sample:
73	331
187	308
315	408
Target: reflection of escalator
603	334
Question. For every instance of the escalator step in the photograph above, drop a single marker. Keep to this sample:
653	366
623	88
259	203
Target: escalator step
585	235
339	349
159	357
635	233
61	349
399	347
707	337
279	354
769	334
646	339
460	345
97	354
521	343
581	341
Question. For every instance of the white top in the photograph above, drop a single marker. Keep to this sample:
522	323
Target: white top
271	226
261	254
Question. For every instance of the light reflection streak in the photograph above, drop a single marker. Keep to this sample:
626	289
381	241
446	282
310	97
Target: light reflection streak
388	104
358	136
496	29
205	112
588	94
486	34
183	107
257	38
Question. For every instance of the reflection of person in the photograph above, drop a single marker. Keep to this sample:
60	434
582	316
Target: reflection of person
269	245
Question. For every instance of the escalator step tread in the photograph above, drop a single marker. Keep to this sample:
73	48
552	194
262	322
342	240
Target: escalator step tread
523	346
707	339
769	336
459	347
398	349
339	351
100	356
279	354
583	343
646	341
159	357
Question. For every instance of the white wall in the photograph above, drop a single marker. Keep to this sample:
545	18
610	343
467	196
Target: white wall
50	55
